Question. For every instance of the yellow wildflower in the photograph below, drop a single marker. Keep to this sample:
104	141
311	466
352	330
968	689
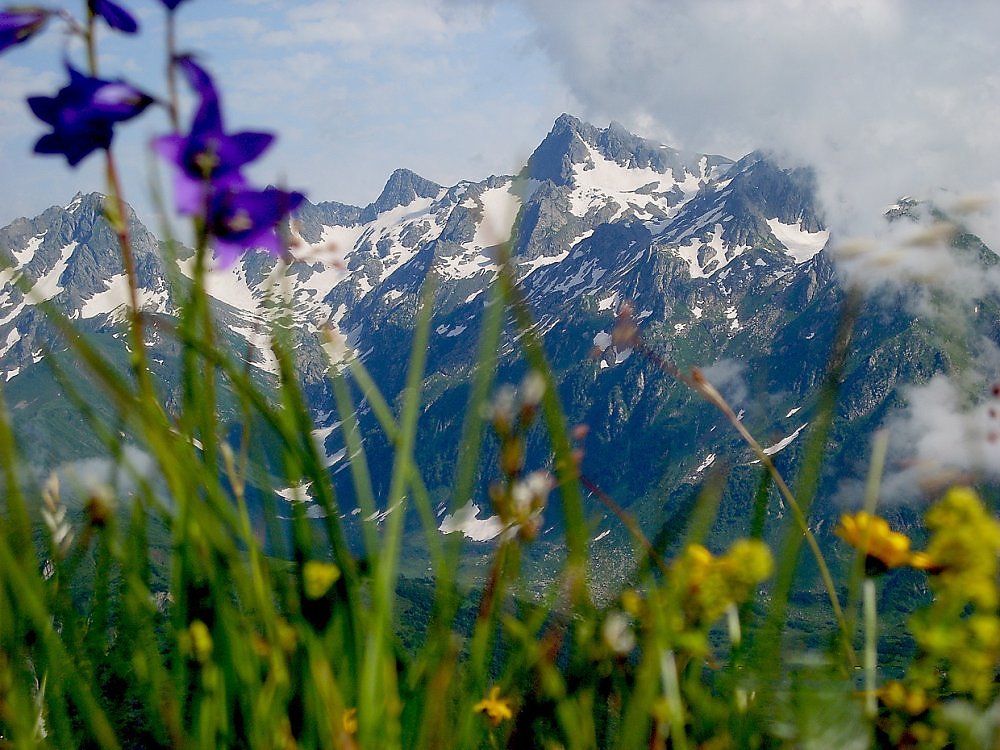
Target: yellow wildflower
349	720
287	637
913	700
632	602
966	536
200	640
495	708
318	577
747	563
709	584
872	535
697	564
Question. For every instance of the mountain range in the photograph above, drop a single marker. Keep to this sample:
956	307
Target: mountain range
723	263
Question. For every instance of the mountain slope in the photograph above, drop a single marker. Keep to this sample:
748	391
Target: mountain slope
722	262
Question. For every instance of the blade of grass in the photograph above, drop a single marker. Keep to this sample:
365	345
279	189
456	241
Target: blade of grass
24	585
377	683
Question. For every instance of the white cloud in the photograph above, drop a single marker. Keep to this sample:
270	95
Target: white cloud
247	30
885	97
449	89
16	84
943	436
728	377
374	25
919	253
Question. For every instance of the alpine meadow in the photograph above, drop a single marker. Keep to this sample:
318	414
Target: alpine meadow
688	439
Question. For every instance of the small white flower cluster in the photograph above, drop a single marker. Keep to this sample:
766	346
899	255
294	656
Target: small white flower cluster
518	498
54	515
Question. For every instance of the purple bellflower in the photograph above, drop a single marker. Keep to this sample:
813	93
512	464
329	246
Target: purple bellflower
83	114
207	160
240	218
17	26
115	15
171	4
208	181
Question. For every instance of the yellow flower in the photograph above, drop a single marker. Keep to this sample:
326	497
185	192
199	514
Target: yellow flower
913	700
922	561
318	577
872	535
747	563
495	708
200	640
632	602
698	563
349	720
709	584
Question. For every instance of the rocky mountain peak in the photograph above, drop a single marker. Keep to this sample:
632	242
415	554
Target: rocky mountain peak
786	194
401	189
564	146
573	142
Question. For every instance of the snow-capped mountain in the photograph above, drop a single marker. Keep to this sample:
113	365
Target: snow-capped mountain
721	260
352	263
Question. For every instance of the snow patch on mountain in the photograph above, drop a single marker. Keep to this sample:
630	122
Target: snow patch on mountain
709	460
733	317
598	180
450	331
389	226
801	245
23	257
48	286
708	254
527	267
227	285
261	353
602	339
784	443
465	265
319	436
587	275
12	338
466	520
115	298
499	208
335	243
608	303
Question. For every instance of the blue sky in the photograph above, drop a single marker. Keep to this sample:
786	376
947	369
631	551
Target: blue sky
884	97
354	90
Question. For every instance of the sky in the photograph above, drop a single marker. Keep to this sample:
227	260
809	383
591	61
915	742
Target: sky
354	90
883	97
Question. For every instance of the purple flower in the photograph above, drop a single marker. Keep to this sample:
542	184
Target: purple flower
241	218
16	26
171	4
209	114
207	159
83	113
115	15
208	181
207	162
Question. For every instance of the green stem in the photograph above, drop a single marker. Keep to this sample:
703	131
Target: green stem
119	223
871	646
712	395
174	101
672	692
